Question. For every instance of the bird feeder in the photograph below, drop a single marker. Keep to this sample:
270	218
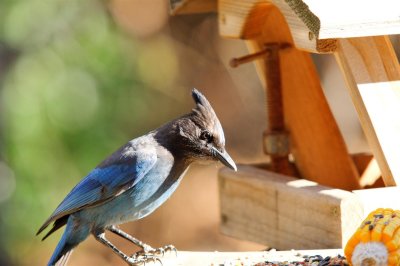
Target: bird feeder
320	202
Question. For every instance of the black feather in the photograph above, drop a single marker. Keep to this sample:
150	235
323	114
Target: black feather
57	225
199	98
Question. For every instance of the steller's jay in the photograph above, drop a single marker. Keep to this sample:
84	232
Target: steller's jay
135	180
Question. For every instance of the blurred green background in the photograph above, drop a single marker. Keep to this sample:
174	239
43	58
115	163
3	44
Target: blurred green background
80	78
69	97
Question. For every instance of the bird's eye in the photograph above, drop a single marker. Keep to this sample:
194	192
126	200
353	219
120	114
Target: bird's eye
207	136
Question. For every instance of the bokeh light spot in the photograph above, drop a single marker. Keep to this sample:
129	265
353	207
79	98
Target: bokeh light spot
141	18
7	182
72	100
158	65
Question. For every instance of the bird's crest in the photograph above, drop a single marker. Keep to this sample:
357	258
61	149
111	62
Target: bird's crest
205	115
199	98
203	106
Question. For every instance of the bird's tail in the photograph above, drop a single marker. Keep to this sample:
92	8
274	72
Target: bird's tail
62	252
69	240
64	259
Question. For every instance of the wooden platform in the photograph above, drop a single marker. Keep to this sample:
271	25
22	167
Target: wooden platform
288	213
285	213
186	258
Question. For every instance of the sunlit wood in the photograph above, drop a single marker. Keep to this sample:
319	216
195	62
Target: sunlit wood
372	72
315	25
284	212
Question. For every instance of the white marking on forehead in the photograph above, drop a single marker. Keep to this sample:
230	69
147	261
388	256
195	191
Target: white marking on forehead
220	132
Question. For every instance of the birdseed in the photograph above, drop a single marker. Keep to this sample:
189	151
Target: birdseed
316	260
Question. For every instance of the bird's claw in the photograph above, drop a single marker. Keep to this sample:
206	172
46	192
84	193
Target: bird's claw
142	260
146	249
170	248
149	254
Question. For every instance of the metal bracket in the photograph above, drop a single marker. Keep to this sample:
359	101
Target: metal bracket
276	138
276	143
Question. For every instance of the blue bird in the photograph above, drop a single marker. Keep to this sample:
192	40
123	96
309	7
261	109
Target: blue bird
135	180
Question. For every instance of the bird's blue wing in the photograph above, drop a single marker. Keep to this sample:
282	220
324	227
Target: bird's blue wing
119	172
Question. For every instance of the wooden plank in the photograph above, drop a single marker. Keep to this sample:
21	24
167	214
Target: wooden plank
368	169
192	6
244	19
285	213
371	174
185	258
372	73
355	18
316	143
304	26
374	198
361	160
315	25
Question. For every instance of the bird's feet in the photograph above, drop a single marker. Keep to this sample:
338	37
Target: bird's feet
149	254
143	260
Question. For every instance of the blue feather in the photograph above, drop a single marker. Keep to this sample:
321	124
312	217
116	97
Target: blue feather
119	172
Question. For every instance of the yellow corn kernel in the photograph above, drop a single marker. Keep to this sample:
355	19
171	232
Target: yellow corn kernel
376	233
365	235
391	246
394	243
389	230
351	244
396	237
393	259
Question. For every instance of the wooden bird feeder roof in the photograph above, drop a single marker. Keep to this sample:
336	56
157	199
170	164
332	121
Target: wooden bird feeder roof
315	25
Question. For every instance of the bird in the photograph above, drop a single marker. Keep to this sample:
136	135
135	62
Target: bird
135	180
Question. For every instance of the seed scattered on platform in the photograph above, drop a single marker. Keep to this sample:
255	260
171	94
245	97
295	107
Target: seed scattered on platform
316	260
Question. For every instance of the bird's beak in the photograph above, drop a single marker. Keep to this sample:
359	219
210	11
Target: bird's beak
224	158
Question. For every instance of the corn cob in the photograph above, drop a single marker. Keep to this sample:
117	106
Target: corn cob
376	241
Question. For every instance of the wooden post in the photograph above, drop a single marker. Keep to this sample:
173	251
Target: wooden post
316	143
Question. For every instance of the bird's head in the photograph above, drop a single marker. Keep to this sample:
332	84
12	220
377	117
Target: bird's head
201	133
